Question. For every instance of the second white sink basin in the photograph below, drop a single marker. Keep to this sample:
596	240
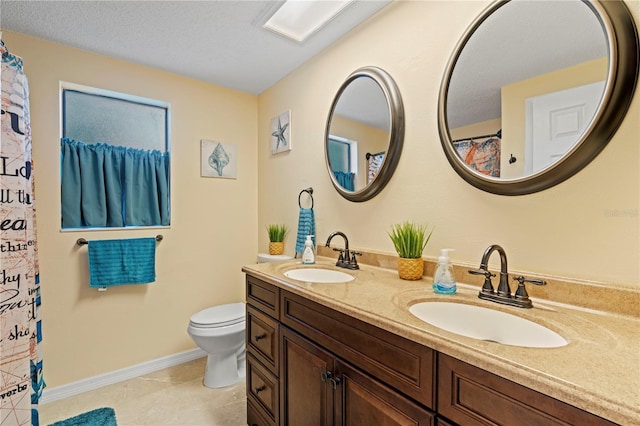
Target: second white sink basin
316	275
487	324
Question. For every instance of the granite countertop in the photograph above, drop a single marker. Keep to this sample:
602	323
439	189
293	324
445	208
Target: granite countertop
598	371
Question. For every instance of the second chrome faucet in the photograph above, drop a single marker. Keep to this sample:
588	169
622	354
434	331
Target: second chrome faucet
346	259
503	294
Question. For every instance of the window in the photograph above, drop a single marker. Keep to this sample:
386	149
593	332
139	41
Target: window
343	159
114	159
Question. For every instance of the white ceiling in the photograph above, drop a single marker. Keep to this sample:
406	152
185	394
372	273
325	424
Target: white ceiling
218	41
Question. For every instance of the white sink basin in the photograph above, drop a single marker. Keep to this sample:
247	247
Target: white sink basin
316	275
487	324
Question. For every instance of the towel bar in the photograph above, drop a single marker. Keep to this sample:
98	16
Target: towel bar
82	241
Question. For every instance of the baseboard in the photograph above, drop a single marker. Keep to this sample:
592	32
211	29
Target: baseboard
95	382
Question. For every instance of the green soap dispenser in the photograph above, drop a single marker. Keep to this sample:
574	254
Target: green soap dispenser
444	281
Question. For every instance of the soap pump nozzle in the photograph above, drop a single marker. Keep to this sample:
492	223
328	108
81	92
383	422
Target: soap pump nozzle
444	255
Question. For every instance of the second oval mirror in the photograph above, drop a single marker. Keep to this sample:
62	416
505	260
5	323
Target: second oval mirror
535	90
364	134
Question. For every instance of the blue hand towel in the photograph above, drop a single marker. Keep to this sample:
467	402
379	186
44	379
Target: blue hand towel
306	226
118	262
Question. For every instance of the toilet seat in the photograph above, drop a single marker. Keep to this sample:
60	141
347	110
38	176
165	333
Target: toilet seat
219	316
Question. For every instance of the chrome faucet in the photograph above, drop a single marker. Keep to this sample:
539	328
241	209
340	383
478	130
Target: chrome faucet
346	259
503	294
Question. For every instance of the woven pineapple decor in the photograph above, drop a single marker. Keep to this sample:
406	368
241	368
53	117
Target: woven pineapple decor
410	269
276	248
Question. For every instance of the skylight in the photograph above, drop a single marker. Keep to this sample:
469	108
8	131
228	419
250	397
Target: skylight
298	19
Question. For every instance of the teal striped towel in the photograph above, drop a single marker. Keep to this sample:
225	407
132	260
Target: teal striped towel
118	262
306	226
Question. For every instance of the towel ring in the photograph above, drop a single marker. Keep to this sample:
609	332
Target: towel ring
308	191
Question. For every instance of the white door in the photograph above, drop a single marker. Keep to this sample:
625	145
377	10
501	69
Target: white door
556	121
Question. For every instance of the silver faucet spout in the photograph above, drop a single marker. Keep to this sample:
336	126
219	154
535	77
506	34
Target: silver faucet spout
503	287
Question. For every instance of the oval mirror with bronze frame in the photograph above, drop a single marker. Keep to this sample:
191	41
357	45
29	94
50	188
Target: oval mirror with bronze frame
364	134
516	116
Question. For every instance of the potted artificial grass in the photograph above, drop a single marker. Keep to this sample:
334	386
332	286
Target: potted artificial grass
410	240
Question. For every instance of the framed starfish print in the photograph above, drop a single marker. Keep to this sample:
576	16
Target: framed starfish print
281	133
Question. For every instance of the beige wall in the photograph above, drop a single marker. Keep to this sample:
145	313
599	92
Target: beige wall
213	226
483	128
586	227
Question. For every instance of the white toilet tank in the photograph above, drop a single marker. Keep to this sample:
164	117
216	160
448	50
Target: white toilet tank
266	258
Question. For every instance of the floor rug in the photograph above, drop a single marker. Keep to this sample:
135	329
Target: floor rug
97	417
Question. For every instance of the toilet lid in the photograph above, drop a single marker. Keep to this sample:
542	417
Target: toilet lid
220	316
266	258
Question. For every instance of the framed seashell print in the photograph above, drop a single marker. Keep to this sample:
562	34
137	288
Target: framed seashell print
218	160
281	133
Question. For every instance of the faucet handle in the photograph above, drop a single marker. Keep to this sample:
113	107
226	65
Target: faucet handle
521	292
485	272
487	287
521	280
354	261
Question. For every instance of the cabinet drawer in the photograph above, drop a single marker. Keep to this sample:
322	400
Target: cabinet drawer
262	338
471	396
262	389
401	363
256	416
263	296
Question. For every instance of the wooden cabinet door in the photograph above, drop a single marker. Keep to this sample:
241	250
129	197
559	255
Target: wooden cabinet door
305	396
469	395
401	363
363	401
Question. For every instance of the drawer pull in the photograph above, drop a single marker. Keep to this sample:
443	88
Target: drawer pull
325	375
333	383
259	389
260	337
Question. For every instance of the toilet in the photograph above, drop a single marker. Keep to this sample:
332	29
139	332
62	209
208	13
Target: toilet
220	332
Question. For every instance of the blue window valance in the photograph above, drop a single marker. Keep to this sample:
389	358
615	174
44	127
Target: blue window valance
113	186
346	180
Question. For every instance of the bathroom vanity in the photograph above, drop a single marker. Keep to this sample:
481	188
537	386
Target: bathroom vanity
350	353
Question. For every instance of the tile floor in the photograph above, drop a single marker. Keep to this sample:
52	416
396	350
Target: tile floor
173	396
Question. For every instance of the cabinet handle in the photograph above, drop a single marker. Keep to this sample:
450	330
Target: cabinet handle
333	383
259	389
260	337
325	375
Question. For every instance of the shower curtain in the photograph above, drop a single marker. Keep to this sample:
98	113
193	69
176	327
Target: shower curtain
374	162
20	328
